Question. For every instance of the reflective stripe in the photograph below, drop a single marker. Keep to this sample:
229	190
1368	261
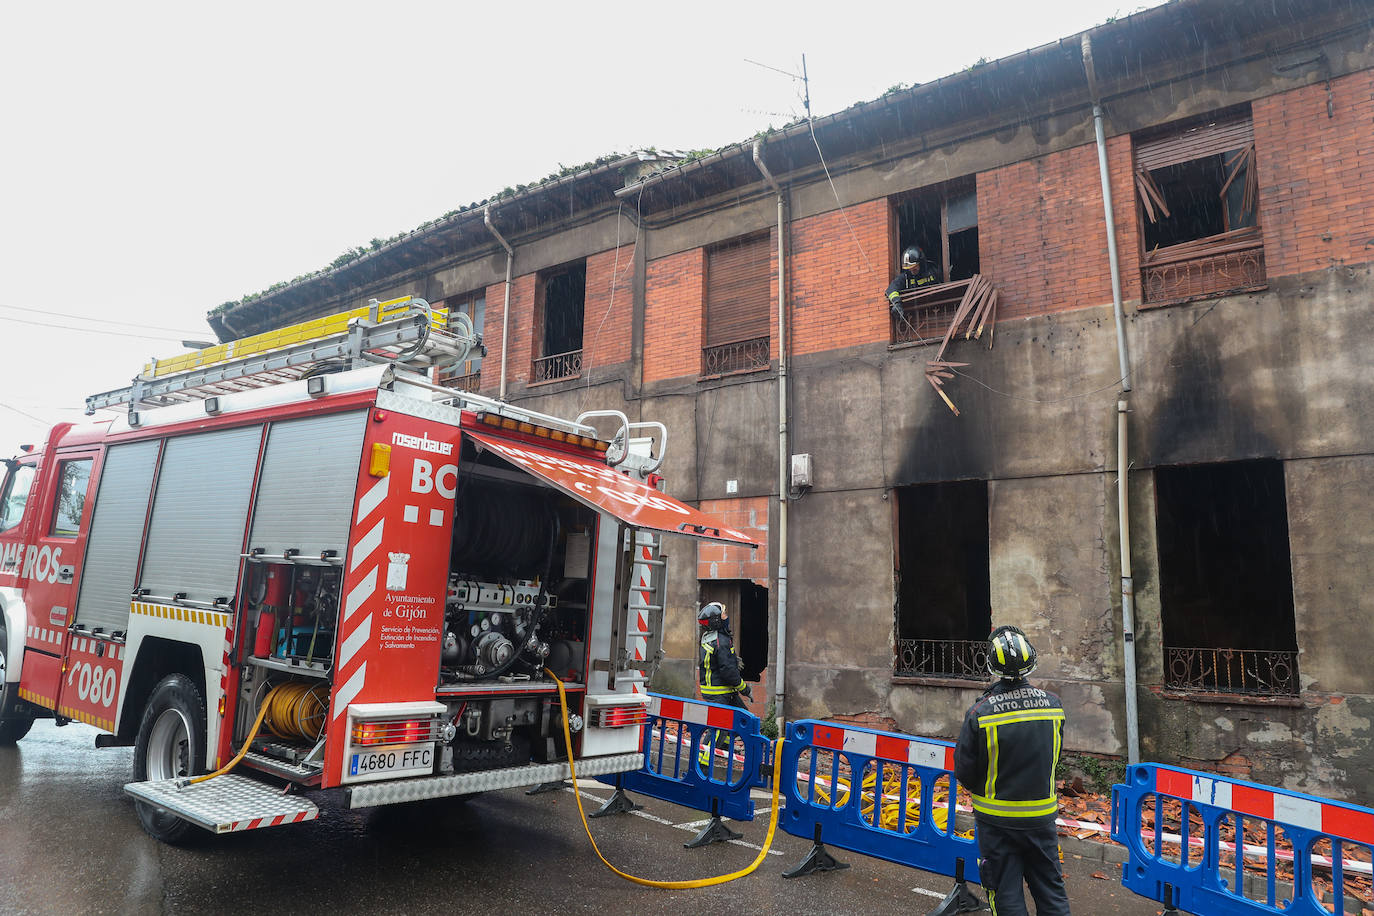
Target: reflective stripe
1039	807
716	691
1021	715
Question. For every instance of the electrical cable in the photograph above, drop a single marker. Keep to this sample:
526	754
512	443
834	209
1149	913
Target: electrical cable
64	327
669	885
126	324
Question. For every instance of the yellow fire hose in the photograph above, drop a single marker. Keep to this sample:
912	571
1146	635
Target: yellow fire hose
292	710
670	885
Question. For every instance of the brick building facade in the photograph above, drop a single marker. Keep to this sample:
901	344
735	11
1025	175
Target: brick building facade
1246	312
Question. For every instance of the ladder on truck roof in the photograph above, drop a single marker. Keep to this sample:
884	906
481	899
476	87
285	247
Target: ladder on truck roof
405	330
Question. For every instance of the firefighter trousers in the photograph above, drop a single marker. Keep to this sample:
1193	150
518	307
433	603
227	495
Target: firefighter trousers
718	737
1008	856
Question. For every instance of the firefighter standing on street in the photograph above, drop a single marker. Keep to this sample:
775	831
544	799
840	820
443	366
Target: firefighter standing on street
916	272
1005	757
718	672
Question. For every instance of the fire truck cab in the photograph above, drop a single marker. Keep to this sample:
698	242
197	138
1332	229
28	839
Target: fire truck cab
297	556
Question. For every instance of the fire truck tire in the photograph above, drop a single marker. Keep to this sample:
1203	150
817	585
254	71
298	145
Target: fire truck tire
13	724
170	744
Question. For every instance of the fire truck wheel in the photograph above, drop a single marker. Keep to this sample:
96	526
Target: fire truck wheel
13	724
171	743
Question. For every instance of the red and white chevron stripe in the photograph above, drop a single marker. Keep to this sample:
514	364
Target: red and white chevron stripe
696	713
350	669
1333	819
885	746
277	821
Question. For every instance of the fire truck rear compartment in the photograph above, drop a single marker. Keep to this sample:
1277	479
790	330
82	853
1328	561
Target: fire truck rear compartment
517	601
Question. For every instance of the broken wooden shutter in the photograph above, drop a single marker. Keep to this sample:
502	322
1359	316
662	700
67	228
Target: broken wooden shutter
737	290
1195	142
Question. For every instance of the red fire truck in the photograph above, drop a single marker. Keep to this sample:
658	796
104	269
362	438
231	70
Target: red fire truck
296	552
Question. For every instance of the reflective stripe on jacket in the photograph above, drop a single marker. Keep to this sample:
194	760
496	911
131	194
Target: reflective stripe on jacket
717	665
1007	752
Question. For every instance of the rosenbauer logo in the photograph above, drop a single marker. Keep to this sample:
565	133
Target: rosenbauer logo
422	442
40	564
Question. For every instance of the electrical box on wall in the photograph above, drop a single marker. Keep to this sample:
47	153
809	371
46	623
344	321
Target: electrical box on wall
801	471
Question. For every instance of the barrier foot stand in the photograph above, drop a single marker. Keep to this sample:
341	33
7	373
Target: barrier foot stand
549	787
1168	901
618	803
714	832
818	859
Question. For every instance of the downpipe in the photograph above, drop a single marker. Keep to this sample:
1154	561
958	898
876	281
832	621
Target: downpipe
780	674
505	311
1122	409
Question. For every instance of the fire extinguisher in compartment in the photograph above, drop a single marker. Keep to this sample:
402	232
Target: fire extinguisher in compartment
275	585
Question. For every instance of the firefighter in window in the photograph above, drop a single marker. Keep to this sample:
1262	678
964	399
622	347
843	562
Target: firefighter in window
718	671
916	272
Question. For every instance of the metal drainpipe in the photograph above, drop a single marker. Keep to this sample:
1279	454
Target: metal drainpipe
780	675
1122	409
505	311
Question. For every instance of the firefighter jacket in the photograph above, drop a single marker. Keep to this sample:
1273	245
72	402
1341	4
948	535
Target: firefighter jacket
1007	752
908	280
717	665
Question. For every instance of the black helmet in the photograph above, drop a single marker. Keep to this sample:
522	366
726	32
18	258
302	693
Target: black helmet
711	613
912	257
1010	654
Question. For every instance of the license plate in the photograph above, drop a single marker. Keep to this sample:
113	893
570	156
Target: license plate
396	760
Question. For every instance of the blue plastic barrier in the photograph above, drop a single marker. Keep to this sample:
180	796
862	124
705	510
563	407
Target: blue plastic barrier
678	732
1186	855
825	767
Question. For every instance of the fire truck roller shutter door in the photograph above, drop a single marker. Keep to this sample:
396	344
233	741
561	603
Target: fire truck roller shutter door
200	512
121	508
305	491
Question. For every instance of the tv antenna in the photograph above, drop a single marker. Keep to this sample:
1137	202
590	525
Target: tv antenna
799	77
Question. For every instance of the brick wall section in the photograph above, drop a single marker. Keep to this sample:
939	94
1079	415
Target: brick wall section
606	334
521	333
723	561
1041	237
673	310
837	281
1316	175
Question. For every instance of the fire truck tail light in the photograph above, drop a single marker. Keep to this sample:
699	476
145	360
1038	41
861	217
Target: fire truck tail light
375	732
379	465
619	716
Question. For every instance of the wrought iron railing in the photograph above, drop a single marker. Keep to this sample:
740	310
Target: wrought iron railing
966	659
560	365
471	381
1185	272
928	313
741	356
1260	672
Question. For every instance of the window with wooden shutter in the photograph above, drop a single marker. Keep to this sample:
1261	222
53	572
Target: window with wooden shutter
738	275
1198	195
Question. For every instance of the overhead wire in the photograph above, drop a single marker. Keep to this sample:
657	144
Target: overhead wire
128	324
105	331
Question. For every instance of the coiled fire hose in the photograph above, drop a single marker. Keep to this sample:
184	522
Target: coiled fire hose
670	885
293	710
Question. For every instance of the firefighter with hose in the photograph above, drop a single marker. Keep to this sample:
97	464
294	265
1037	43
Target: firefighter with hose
718	673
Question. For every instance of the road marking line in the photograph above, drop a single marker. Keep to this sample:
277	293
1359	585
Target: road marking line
644	814
929	893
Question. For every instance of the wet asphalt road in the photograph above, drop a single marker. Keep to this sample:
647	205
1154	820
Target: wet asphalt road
70	843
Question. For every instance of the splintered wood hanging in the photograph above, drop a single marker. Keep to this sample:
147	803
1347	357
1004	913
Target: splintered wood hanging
970	314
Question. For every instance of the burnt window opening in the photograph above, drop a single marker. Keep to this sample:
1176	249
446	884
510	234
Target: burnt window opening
562	295
944	599
1197	193
943	220
1226	583
747	606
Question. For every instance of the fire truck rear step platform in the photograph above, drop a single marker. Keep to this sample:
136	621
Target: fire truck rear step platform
408	790
226	803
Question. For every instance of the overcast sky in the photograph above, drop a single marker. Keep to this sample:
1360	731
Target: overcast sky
161	158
